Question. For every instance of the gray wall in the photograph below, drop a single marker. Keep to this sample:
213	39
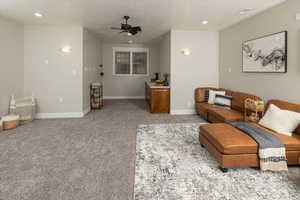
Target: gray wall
91	60
267	86
55	78
11	62
165	54
199	69
126	86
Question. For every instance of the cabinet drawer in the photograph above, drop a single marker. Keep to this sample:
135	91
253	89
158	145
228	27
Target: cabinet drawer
160	100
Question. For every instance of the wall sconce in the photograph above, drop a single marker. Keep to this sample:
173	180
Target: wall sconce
186	52
66	49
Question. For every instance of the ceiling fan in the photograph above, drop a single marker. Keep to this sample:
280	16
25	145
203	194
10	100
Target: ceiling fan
127	28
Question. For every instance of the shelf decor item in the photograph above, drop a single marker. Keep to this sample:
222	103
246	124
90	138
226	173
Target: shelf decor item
156	76
253	110
1	124
10	121
166	81
267	54
96	96
25	108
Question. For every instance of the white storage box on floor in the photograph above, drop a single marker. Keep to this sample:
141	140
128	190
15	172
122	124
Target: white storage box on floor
10	121
25	108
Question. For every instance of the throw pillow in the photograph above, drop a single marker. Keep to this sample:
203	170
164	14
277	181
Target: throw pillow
206	96
223	101
281	121
212	95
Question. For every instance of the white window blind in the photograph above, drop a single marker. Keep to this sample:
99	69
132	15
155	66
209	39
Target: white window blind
131	61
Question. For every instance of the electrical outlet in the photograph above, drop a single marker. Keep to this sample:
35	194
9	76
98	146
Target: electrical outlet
190	104
74	72
61	99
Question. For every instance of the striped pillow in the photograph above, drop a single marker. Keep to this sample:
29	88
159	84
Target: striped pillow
223	101
206	96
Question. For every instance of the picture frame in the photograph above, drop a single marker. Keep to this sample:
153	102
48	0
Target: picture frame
266	54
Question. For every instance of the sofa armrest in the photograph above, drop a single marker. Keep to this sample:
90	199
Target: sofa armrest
200	94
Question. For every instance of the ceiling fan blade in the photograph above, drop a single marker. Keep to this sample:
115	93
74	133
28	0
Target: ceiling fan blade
136	28
115	28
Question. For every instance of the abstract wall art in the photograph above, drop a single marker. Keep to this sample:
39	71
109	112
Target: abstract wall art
267	54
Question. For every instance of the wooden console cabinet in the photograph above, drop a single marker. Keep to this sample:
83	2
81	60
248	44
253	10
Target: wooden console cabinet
158	98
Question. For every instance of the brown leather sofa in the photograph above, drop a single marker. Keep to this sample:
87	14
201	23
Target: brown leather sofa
218	115
233	148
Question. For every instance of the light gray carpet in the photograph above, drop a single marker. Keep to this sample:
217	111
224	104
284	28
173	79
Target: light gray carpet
86	159
172	165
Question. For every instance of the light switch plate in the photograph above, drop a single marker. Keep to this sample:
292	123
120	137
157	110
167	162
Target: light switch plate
298	16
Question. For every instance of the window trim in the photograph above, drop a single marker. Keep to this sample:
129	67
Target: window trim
131	51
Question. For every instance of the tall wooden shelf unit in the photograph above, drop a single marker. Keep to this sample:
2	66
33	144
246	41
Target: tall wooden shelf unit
96	96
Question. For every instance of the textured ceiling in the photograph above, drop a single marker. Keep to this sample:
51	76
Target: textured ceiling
155	16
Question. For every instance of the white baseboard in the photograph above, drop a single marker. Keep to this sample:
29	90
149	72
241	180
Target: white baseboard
59	115
86	111
124	97
183	112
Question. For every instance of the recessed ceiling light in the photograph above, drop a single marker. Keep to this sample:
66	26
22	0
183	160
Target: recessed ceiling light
244	11
38	15
204	22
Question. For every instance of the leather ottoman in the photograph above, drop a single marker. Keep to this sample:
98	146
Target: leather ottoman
233	148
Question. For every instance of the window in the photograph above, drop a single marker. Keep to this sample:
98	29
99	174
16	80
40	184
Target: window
139	62
122	62
131	61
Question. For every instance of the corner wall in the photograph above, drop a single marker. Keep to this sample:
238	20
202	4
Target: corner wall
130	87
55	78
12	66
199	69
265	85
92	58
164	56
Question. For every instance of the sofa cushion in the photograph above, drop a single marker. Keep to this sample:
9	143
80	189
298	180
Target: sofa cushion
292	143
226	115
212	95
228	92
221	113
229	140
206	96
205	106
200	94
286	106
223	101
281	121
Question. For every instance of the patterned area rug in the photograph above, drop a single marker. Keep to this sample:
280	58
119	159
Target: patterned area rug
171	165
